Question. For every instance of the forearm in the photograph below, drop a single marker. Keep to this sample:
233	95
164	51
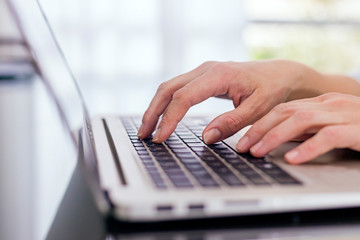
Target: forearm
312	83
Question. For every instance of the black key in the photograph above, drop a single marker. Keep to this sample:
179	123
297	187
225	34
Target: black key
207	181
222	151
229	156
232	180
160	154
165	158
149	163
189	160
142	152
252	159
217	146
249	173
175	171
192	140
184	155
284	180
177	146
195	144
273	172
234	161
158	149
266	165
258	180
143	157
180	181
180	150
138	144
209	158
199	173
151	168
222	171
215	164
140	148
203	154
200	149
168	164
186	135
241	166
195	167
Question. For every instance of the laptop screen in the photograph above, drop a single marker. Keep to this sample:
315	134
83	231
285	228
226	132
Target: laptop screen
50	62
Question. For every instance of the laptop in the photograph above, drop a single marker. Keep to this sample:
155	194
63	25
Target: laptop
137	180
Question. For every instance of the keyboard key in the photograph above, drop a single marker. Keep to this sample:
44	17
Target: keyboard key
187	146
258	180
232	180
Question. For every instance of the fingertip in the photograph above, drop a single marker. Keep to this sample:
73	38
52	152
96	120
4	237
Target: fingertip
140	132
212	136
293	157
243	144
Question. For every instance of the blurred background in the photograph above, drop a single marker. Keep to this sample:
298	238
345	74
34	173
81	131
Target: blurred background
120	51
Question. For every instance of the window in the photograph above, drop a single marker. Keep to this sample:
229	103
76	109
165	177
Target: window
121	50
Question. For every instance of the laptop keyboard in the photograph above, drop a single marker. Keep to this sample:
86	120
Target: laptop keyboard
185	161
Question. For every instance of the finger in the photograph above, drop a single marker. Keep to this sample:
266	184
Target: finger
231	122
302	137
277	115
163	97
328	138
294	126
205	86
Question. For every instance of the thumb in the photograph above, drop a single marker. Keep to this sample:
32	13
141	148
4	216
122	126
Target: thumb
227	124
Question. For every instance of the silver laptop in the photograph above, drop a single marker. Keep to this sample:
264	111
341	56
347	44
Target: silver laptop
140	181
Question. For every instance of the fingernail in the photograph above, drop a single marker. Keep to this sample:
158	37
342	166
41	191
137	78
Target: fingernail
157	135
140	132
212	136
292	155
242	144
256	147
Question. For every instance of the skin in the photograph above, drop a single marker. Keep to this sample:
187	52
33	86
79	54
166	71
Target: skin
255	88
331	120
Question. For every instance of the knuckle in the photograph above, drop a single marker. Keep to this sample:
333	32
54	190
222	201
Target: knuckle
233	122
330	95
283	108
164	90
303	116
272	136
181	97
331	133
338	102
257	129
163	86
207	64
220	67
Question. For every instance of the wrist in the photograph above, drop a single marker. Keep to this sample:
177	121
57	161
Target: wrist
306	82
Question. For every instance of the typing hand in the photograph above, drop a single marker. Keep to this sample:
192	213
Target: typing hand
333	120
254	87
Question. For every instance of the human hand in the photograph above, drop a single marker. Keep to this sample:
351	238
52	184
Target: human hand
254	87
333	120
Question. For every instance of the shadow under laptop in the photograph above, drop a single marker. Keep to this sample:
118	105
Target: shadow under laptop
79	218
